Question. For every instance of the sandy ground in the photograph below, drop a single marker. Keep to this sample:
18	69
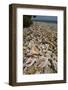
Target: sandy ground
40	48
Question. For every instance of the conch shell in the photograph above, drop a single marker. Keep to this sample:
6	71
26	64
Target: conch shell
34	50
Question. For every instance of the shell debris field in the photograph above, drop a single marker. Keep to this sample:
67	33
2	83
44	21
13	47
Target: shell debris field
40	48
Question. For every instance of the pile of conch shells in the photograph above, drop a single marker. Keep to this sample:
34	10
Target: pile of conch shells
40	48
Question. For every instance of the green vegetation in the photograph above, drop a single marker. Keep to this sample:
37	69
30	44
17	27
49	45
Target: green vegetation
27	20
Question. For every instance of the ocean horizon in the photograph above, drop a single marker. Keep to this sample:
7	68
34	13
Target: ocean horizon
51	19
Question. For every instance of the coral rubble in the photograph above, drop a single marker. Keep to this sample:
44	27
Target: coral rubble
40	48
